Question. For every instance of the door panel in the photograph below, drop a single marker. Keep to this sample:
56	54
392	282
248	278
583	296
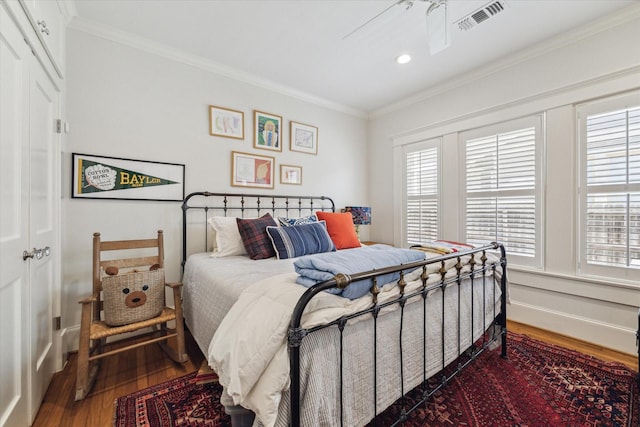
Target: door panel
46	18
14	59
43	145
29	191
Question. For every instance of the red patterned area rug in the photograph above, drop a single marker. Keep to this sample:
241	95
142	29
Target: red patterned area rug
192	400
537	385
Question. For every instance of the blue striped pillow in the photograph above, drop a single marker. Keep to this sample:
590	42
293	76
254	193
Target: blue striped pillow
298	240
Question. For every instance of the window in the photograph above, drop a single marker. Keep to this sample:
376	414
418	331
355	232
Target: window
503	191
610	179
421	195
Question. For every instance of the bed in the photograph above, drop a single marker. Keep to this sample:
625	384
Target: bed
293	355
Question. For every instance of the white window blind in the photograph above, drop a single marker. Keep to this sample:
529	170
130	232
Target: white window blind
610	218
502	191
422	184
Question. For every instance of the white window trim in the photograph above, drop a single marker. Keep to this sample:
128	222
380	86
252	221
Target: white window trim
584	269
538	122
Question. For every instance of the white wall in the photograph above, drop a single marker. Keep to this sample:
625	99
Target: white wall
601	60
125	102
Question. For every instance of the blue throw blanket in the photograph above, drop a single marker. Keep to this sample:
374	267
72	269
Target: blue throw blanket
320	267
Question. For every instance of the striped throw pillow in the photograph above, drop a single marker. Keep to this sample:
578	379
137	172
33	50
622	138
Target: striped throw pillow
299	240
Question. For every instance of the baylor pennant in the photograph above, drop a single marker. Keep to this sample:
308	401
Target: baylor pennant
99	177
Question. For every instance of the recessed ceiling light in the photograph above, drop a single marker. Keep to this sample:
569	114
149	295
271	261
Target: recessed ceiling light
403	59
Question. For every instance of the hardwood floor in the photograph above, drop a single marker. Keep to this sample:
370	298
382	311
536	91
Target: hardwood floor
147	366
600	352
119	375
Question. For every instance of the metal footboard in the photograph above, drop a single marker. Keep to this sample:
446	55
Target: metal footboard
471	265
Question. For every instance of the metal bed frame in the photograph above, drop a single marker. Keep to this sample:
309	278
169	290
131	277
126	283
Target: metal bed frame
478	270
472	264
240	205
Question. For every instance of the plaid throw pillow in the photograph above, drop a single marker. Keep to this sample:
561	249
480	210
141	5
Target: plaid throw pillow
255	238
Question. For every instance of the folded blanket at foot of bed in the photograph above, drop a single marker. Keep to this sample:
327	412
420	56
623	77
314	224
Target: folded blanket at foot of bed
317	268
442	247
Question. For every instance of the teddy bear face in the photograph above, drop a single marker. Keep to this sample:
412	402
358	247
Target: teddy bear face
135	298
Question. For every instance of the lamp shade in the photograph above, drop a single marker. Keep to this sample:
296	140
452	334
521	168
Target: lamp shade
361	214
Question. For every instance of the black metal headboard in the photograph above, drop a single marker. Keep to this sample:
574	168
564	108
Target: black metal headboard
208	204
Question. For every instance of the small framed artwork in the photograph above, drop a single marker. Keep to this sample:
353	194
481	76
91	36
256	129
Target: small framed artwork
226	122
101	177
250	170
304	138
267	131
290	174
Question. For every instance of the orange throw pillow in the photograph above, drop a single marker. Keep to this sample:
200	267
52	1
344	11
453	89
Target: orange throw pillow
341	229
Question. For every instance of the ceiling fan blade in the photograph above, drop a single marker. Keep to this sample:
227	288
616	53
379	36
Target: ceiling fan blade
375	17
438	26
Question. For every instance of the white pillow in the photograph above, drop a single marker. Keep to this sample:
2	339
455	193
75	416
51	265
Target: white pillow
228	240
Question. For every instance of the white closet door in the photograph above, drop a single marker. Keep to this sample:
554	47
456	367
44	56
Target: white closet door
14	223
30	193
44	105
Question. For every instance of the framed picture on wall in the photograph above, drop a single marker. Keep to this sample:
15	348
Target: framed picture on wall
304	138
267	131
251	170
226	122
290	174
100	177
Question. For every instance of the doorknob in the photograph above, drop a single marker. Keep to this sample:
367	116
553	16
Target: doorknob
36	253
26	254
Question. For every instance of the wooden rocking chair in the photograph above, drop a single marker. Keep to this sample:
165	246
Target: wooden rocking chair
94	331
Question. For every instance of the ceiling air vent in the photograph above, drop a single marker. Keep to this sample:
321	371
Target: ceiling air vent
481	15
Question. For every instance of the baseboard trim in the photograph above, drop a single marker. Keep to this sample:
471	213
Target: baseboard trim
71	338
606	335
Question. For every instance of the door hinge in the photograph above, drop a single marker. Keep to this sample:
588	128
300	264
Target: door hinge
57	323
58	126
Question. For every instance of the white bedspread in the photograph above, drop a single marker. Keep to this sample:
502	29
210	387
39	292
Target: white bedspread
249	349
213	285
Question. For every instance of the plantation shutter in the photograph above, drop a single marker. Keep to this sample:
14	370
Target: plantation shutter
421	168
501	190
612	224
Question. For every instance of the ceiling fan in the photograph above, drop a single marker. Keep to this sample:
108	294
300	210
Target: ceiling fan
436	20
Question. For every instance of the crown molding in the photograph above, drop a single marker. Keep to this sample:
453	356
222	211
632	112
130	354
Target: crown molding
591	29
122	37
620	81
